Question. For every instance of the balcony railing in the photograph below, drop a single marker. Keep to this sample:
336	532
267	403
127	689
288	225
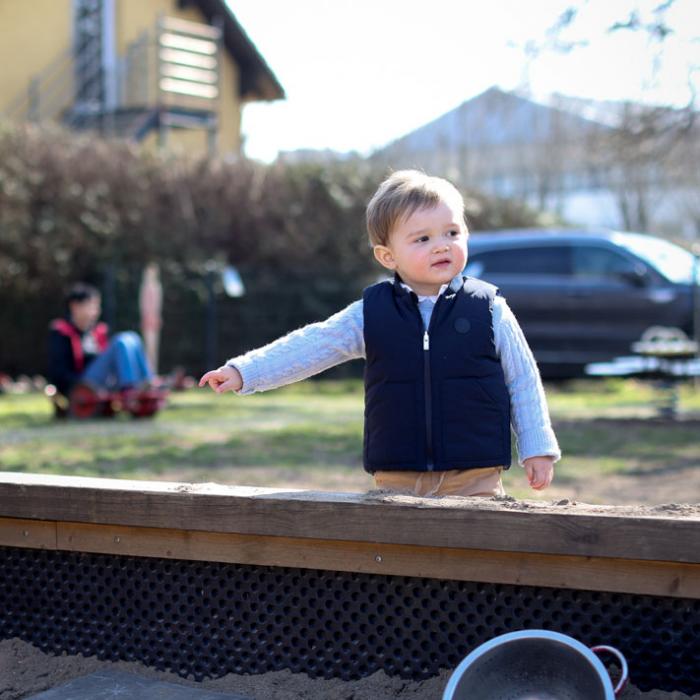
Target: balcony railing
171	72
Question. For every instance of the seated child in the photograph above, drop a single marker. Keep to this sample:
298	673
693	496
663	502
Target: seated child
80	350
448	370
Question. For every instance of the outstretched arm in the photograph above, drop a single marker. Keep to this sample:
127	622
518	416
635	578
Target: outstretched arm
296	356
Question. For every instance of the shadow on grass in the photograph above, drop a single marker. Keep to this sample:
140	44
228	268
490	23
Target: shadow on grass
26	420
294	448
632	447
624	446
233	409
612	436
201	433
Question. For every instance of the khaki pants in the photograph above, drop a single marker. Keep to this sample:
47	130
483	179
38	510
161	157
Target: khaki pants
454	482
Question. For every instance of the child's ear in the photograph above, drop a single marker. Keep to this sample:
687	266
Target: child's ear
384	257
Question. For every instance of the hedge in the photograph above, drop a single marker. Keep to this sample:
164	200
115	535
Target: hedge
75	207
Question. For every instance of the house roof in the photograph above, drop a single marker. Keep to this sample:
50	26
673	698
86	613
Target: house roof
258	82
494	117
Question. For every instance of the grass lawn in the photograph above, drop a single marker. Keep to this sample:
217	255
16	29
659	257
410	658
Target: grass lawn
310	436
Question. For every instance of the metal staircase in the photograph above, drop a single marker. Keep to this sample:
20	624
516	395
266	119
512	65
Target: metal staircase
168	78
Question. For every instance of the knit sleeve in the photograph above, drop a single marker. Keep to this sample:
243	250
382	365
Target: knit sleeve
304	352
529	412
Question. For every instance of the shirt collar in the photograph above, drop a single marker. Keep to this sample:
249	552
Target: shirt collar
454	285
422	297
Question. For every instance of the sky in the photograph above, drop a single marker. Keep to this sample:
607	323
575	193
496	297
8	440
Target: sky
360	73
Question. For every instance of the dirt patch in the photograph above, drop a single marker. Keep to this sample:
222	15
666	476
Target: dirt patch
567	506
25	671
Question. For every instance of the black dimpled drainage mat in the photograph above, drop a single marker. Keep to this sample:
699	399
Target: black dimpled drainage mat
208	619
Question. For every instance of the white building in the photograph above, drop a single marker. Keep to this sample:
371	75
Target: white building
596	164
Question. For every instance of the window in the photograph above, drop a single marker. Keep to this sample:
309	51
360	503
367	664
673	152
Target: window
674	262
591	262
523	261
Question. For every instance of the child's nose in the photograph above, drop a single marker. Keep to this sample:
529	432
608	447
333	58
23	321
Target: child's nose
442	248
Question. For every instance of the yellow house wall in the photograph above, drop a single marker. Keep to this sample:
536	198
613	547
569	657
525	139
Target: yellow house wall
34	36
230	108
37	33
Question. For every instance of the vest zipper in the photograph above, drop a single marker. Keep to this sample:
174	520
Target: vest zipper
428	402
428	389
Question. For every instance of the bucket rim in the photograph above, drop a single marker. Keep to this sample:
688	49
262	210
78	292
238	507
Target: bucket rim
502	639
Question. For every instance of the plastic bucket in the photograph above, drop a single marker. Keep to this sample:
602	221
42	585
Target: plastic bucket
534	665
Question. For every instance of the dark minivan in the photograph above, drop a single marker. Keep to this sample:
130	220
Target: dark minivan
586	296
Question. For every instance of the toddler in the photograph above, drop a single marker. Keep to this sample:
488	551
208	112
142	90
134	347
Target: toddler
448	370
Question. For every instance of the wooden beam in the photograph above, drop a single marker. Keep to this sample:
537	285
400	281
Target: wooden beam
33	534
554	571
459	523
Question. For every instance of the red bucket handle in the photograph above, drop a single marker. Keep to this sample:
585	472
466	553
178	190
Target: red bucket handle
623	665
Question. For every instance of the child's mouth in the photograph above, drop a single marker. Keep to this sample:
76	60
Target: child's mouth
441	264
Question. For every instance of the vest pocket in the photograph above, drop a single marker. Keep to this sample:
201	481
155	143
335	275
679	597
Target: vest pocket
475	420
390	423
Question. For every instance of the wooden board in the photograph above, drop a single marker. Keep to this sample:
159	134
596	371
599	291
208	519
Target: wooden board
555	571
452	523
33	534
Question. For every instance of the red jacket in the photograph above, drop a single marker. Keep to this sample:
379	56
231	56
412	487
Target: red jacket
67	358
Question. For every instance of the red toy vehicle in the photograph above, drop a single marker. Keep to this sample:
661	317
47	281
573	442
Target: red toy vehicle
88	401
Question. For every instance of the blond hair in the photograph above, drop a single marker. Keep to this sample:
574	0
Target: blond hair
402	194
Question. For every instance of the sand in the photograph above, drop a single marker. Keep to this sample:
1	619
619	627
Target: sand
25	671
682	511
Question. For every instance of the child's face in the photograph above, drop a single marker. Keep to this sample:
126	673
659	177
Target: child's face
84	314
427	249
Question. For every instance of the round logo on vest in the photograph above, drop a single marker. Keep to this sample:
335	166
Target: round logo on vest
462	325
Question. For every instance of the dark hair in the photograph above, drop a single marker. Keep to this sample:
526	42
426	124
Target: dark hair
81	291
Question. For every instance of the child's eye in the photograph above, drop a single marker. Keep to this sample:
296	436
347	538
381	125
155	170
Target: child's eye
454	233
422	239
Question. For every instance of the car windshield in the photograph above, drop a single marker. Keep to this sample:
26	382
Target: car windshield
672	261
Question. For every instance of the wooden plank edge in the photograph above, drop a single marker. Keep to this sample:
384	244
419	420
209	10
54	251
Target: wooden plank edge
546	570
90	490
401	520
33	534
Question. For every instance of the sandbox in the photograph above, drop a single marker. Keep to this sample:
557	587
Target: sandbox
207	580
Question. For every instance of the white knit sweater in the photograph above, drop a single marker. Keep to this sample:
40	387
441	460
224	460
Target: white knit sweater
318	346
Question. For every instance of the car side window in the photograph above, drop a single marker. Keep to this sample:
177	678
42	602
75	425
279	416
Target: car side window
540	260
591	262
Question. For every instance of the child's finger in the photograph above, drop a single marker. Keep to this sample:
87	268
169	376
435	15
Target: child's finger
536	480
213	378
205	377
543	481
228	385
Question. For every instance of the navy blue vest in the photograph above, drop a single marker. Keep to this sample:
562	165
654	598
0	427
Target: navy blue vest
433	401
